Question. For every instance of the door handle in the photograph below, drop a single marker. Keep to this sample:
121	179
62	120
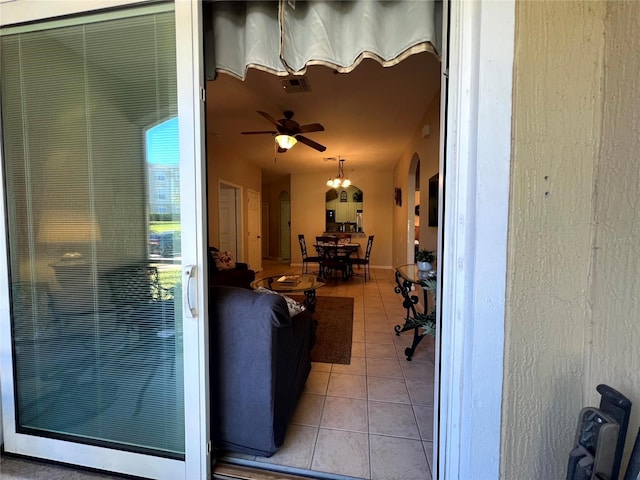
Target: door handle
188	289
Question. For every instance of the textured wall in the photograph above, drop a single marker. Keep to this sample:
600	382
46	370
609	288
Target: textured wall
556	131
615	334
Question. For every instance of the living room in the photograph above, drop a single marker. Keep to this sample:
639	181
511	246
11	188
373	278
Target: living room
377	131
299	177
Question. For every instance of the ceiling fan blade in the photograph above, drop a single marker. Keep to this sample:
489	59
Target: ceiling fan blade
310	143
271	132
312	127
270	118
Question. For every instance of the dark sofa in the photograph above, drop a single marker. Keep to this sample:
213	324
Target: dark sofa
259	363
240	276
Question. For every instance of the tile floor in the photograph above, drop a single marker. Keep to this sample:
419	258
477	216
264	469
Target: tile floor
371	419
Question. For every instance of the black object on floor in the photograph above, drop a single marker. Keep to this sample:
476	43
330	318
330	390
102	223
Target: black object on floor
599	439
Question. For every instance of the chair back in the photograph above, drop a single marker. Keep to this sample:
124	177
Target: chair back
303	245
369	245
327	240
343	238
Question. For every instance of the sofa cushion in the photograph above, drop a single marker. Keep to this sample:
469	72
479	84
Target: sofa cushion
294	307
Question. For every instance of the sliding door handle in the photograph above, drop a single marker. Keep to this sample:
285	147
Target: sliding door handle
189	290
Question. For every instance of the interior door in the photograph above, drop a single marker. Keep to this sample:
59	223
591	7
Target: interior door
102	350
228	219
253	233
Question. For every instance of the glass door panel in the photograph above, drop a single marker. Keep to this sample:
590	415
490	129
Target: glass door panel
92	185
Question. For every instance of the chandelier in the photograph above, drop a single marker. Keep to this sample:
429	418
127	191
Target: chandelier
340	179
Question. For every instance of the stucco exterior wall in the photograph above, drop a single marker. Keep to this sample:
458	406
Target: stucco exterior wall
556	132
615	292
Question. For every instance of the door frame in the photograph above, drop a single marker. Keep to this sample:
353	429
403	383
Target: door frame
479	69
190	86
476	148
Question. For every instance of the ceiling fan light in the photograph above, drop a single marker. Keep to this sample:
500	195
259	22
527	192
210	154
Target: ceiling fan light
286	141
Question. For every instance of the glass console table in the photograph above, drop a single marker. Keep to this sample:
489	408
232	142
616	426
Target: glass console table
408	279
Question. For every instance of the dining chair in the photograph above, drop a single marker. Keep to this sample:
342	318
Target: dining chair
306	259
330	259
343	238
363	261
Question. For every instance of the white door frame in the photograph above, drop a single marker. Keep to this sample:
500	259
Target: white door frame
191	121
477	166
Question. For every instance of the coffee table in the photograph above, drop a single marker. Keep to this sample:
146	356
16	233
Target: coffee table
308	284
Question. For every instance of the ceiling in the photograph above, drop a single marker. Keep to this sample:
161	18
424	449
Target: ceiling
369	115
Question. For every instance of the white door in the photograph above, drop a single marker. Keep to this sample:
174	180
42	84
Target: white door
253	232
102	350
228	219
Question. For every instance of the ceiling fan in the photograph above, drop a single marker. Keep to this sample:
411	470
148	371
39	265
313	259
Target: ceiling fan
287	126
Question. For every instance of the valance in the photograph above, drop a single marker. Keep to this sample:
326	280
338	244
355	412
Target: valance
287	36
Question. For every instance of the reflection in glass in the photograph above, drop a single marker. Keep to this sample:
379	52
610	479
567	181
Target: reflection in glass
97	342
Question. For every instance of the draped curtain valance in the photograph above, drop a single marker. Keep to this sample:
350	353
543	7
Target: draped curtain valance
286	36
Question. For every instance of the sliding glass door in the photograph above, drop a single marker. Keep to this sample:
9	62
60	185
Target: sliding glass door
102	350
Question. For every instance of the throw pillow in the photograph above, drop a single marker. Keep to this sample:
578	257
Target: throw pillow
225	261
294	307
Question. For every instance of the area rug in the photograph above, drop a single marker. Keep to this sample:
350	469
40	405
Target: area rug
334	330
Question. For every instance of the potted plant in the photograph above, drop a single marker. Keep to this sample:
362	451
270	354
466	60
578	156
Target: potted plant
424	259
425	321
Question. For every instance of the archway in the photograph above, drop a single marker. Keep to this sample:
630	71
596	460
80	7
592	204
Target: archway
413	207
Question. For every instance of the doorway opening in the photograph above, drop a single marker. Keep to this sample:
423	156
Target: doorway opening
285	226
229	218
287	172
413	208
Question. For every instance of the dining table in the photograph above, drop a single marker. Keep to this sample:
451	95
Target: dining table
335	256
